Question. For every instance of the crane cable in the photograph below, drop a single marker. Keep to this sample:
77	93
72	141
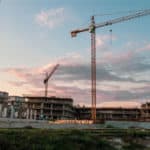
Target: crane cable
117	13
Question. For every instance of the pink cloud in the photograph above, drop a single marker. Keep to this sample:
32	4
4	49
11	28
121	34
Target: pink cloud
60	87
103	41
34	76
123	104
114	104
71	59
131	50
145	48
77	94
117	58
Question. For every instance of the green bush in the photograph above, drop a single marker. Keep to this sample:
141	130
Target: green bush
42	139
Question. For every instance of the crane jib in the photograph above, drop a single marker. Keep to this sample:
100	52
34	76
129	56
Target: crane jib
113	21
124	18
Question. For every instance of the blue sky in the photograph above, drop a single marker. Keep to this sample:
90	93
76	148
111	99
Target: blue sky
35	35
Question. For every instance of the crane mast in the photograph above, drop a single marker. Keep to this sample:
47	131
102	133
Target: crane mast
93	67
92	30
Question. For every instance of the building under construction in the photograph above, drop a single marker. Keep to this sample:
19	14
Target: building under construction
118	113
3	103
51	108
57	108
145	111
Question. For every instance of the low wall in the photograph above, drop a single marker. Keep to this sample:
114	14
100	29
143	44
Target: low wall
128	124
21	123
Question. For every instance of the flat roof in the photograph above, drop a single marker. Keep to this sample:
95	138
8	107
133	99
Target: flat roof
49	98
109	108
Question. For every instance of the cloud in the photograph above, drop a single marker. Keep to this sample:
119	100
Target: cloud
124	104
121	96
142	89
118	57
51	18
25	76
73	77
73	80
132	61
35	76
135	66
17	84
82	72
145	48
78	94
103	42
72	67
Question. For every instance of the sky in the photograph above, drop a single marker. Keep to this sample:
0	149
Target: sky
35	36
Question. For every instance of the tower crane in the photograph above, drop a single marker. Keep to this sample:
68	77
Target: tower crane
92	30
48	76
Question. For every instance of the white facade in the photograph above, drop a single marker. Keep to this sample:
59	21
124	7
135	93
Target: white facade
3	102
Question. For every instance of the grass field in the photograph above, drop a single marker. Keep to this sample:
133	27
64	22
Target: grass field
44	139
